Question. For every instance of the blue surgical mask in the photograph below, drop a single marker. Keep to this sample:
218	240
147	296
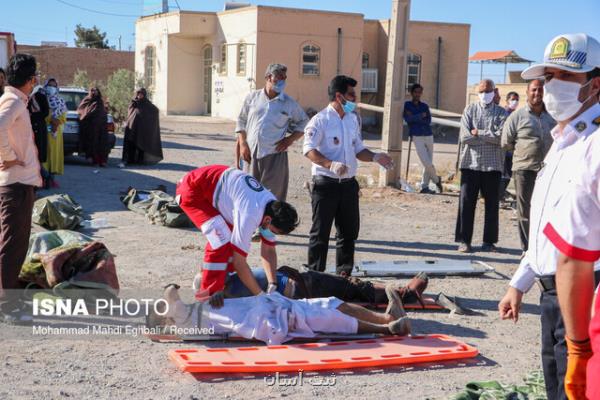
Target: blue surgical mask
279	86
51	90
266	233
349	106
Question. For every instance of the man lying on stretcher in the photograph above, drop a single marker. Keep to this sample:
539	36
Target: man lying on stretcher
306	284
275	319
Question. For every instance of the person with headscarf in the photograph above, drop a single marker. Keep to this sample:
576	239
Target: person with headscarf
39	110
55	161
142	143
93	136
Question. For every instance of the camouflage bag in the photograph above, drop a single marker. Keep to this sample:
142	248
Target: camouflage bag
58	211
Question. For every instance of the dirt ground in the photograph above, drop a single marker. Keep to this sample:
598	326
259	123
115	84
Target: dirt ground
394	225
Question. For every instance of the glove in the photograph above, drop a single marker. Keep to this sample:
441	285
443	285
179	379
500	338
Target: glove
579	352
217	300
338	168
272	288
384	160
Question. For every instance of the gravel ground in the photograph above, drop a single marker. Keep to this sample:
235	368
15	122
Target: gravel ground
394	225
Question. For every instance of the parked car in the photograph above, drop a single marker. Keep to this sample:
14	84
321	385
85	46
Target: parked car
72	98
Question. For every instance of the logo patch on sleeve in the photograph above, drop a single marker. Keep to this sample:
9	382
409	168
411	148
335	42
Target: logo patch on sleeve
253	184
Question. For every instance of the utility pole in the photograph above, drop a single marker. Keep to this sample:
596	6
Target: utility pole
395	90
119	42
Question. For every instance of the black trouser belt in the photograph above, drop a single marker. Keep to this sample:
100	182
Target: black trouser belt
327	179
548	282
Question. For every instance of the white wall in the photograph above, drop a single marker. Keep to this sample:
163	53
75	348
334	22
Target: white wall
230	90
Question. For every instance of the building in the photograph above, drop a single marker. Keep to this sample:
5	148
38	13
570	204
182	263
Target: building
205	63
7	48
62	62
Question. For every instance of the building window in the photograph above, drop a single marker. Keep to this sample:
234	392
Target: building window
365	60
311	59
149	66
223	61
413	69
241	58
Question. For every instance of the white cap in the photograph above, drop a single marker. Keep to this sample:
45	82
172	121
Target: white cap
574	52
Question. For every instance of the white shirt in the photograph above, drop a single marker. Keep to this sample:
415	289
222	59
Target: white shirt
241	201
338	139
562	165
266	121
574	227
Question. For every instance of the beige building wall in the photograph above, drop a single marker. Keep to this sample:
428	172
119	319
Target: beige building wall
423	40
282	34
154	31
230	89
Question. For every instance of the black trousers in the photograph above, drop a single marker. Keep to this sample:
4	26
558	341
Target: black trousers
524	183
471	183
554	346
16	206
337	201
506	174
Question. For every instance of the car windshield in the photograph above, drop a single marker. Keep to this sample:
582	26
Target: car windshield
72	99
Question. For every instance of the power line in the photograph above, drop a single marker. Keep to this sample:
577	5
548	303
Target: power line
96	11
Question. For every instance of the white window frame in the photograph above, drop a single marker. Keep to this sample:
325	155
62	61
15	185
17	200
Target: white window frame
150	66
310	49
241	71
223	59
413	60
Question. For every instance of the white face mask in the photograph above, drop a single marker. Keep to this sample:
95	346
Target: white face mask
513	104
486	98
562	98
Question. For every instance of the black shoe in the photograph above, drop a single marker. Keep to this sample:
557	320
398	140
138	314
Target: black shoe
426	190
465	248
19	313
489	247
439	185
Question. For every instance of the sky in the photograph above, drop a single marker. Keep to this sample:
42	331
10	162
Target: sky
525	26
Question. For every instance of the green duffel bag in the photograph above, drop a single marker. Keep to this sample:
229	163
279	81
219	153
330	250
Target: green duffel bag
58	211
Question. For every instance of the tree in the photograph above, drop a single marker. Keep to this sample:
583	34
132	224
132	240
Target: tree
81	79
119	92
90	37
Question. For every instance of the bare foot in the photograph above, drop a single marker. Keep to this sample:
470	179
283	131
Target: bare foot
400	327
394	308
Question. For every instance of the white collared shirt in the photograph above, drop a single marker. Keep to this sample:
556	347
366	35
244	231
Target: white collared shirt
563	165
266	121
338	139
574	226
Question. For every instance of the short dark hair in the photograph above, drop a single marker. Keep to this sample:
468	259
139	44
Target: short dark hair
283	216
340	84
21	68
415	87
511	94
540	80
2	72
595	73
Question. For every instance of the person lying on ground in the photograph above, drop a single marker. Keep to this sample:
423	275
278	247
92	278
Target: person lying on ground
275	319
307	283
228	206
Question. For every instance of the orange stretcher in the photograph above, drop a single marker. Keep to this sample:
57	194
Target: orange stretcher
386	351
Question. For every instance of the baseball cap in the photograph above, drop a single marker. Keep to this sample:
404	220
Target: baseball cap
574	52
